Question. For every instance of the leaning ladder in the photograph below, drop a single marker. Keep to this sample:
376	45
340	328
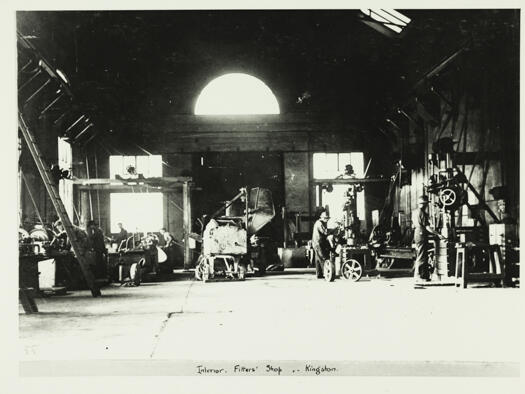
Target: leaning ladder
58	205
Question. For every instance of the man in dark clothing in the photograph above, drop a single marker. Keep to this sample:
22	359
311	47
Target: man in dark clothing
97	244
320	243
421	233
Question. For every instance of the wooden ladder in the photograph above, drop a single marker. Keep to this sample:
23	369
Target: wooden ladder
52	191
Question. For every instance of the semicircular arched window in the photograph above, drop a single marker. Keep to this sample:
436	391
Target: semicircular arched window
236	94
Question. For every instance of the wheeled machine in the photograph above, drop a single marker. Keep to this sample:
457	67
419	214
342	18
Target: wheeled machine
230	244
347	263
351	256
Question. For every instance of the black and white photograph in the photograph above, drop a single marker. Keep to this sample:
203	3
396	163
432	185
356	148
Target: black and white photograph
287	192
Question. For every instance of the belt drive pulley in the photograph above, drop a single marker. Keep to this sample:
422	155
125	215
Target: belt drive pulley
449	197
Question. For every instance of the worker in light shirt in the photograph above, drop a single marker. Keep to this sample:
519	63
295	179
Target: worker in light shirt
320	243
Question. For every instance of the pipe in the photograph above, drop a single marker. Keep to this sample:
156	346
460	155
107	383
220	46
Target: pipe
89	191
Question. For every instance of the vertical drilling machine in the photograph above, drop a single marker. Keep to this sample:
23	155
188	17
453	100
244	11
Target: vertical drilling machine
351	256
463	253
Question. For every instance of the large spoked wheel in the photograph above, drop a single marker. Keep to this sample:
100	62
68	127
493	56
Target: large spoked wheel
135	273
202	269
352	270
447	197
329	271
202	272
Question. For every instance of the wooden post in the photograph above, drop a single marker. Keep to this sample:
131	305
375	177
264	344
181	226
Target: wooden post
186	223
25	297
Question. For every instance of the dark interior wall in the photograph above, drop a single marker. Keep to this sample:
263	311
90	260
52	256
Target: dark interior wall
175	164
297	181
480	112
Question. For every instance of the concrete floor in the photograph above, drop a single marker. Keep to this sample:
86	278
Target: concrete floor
284	316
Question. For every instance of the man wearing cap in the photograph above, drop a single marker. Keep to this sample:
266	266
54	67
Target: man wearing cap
421	233
320	243
97	244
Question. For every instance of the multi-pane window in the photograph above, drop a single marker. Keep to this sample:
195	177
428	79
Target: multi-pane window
388	17
149	166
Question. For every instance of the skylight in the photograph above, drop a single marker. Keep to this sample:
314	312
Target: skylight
387	17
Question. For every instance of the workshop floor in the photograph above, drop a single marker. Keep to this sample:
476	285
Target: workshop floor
284	316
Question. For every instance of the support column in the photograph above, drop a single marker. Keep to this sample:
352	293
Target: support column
186	223
20	187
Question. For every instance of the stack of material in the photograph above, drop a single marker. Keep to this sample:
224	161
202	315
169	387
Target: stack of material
226	238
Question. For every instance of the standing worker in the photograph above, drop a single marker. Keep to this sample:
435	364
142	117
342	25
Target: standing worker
97	244
169	247
320	243
421	233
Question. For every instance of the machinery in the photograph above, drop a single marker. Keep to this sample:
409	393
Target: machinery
391	248
230	243
463	254
46	262
137	257
351	256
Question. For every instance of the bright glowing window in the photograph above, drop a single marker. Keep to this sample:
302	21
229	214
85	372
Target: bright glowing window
65	154
236	94
138	212
149	166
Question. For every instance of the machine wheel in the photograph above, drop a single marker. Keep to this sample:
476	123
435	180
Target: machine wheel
241	274
201	271
448	197
22	234
135	273
352	270
205	276
329	271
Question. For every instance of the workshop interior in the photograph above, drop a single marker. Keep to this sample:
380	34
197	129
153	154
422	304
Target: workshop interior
338	147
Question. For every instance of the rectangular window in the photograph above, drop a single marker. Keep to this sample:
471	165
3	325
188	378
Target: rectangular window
150	166
65	154
330	165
